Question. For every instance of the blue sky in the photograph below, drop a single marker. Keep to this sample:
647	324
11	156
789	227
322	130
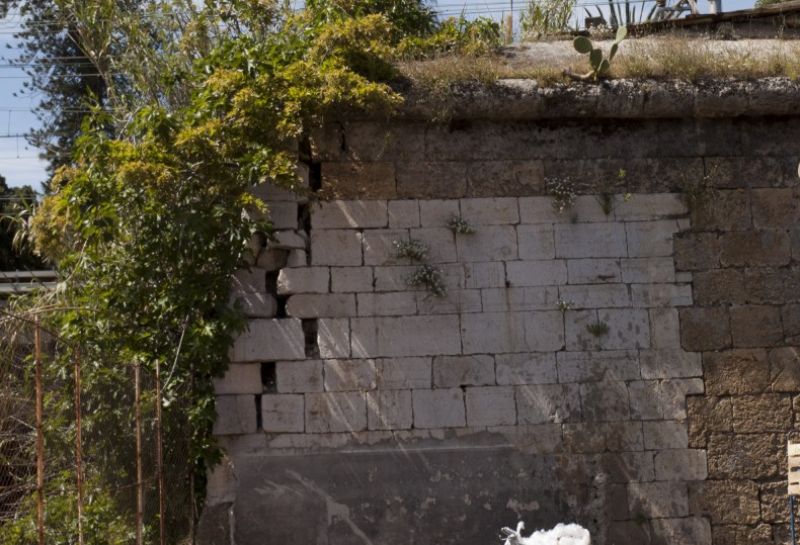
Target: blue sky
19	162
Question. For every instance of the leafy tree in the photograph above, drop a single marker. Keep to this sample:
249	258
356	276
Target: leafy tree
15	202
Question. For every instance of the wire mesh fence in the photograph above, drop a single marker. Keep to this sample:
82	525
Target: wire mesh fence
90	455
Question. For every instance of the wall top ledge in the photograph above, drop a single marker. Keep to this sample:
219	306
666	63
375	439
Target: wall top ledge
521	99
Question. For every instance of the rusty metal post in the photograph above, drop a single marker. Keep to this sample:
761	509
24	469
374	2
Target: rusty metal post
139	484
160	459
78	446
37	361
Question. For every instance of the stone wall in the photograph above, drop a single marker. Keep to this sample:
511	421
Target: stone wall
627	364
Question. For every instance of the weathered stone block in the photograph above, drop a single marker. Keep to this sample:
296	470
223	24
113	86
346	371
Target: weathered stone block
431	180
526	368
643	207
681	531
596	437
707	415
454	302
596	366
282	413
380	246
661	295
736	372
784	369
236	415
359	214
590	240
756	325
594	271
542	403
256	305
403	214
773	502
762	413
774	208
239	379
740	534
746	456
321	305
495	332
496	211
436	213
696	251
491	243
760	248
298	376
651	238
669	363
406	336
404	373
515	299
387	304
505	178
658	499
725	502
439	408
351	279
539	210
627	329
270	340
664	328
453	371
596	295
704	328
440	241
348	375
272	259
287	240
389	410
724	211
282	215
333	337
665	434
335	412
360	180
720	286
336	247
250	281
647	270
536	273
485	275
605	401
770	285
681	465
304	280
790	316
491	406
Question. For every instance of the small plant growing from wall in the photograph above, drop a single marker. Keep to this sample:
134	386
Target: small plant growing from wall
412	249
459	225
598	329
563	193
598	62
564	306
606	203
429	277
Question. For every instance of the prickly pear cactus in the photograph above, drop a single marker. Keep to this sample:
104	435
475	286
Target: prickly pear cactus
597	61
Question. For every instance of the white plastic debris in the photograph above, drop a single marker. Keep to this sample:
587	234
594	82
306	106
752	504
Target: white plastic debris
562	534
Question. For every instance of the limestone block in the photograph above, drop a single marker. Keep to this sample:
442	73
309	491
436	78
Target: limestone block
221	483
282	413
287	240
442	408
250	281
336	412
272	259
596	437
648	270
536	273
756	325
336	247
297	258
784	369
271	193
389	410
536	242
405	336
651	238
595	295
726	502
541	403
627	329
239	379
736	372
436	213
497	211
583	240
440	241
360	180
490	243
270	340
665	434
774	208
696	251
321	305
526	368
404	373
392	278
670	363
485	275
658	499
515	299
648	207
256	305
387	304
665	331
576	326
508	178
536	439
350	375
454	302
593	271
771	285
705	328
236	415
403	214
646	400
762	413
539	210
746	456
762	248
707	415
452	371
661	295
612	365
681	465
623	468
380	249
359	214
605	401
304	280
298	376
682	531
351	279
432	179
282	215
333	337
499	332
586	209
491	406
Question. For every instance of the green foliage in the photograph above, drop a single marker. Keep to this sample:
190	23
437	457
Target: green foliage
15	206
412	249
597	61
459	225
428	277
598	329
455	35
546	17
562	191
